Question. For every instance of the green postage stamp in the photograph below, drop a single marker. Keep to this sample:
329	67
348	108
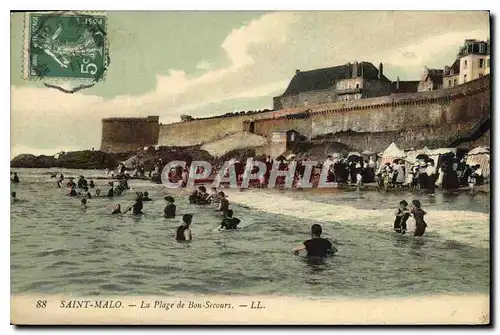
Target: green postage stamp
65	45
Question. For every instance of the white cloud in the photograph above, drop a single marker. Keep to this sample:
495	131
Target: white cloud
204	65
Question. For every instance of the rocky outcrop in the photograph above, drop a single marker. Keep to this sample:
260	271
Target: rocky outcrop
85	159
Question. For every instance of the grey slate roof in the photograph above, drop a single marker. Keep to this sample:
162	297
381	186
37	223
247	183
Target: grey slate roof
320	79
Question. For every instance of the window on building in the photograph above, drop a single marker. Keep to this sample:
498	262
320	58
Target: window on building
449	83
481	63
357	85
480	75
465	78
454	82
465	64
481	47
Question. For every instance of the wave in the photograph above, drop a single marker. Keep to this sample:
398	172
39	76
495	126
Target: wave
463	226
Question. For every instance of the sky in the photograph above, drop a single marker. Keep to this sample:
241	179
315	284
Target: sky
209	63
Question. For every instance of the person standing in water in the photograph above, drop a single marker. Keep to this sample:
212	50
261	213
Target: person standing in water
418	215
402	215
84	204
169	211
15	180
13	197
316	246
137	206
223	204
91	184
183	232
117	209
229	223
72	192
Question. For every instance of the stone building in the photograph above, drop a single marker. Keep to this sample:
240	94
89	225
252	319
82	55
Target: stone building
431	79
404	86
473	61
351	81
451	74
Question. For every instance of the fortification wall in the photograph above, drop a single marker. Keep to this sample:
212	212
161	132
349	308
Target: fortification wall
413	120
129	134
210	129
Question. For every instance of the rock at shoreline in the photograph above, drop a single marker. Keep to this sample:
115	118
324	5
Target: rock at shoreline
85	159
32	161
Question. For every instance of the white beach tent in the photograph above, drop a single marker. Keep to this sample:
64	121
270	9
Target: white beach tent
480	156
390	154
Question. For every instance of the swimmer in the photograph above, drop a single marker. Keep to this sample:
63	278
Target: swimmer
13	197
316	246
169	211
72	192
193	197
15	180
71	183
91	184
229	223
84	203
137	207
97	192
146	197
203	197
418	215
224	203
402	215
111	191
117	209
183	232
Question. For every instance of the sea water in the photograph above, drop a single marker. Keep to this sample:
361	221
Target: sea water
58	248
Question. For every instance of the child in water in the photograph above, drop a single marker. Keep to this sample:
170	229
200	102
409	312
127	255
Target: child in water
117	209
84	204
169	211
402	215
418	214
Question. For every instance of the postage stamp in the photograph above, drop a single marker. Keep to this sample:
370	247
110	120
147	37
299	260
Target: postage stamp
69	45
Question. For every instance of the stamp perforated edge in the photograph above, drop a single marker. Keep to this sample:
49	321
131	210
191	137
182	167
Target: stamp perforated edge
26	45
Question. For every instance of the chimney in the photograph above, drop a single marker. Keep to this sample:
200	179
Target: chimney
297	71
355	69
397	83
380	70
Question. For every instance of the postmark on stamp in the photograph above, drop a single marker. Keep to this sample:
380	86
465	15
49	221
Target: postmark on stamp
65	45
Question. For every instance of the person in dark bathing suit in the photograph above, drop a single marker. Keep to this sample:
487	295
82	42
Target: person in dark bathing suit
137	207
117	209
317	246
418	215
84	204
146	197
72	192
16	178
229	223
183	232
193	197
14	199
169	211
91	184
203	198
224	203
111	191
402	215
